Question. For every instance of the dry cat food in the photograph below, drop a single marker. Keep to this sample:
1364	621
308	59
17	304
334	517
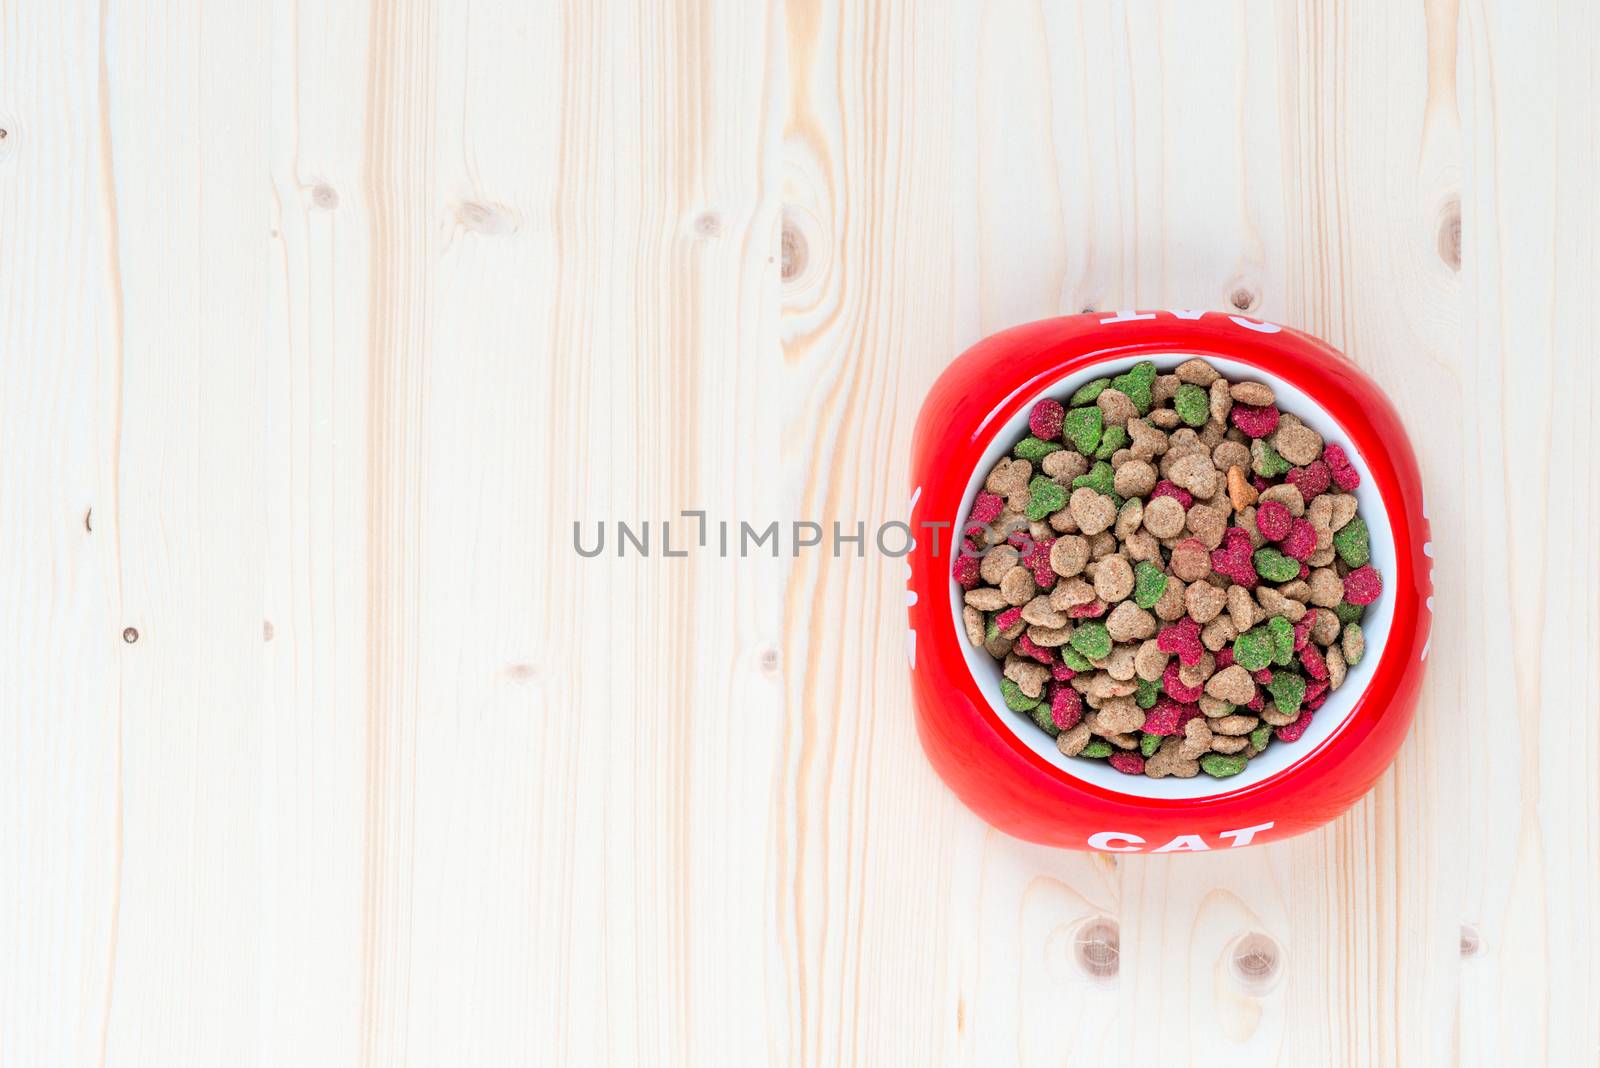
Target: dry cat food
1171	569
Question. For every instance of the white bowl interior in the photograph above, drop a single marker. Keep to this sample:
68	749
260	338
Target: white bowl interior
1279	756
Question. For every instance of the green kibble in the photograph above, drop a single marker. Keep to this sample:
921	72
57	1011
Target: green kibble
1032	448
1221	765
1265	460
1352	543
1348	613
1092	640
1149	744
1074	659
1111	439
1287	690
1099	478
991	629
1045	719
1149	583
1137	384
1193	404
1282	632
1086	393
1274	566
1260	737
1147	694
1098	749
1353	644
1082	427
1015	699
1044	497
1254	649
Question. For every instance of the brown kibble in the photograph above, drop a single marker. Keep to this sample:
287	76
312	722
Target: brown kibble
1298	589
1224	743
1128	622
1101	546
1115	407
1336	668
1029	675
997	647
1119	665
1009	476
1353	643
1061	520
1070	594
1164	389
1142	545
1208	523
1196	474
1204	601
1256	393
973	621
1241	608
1146	441
1149	662
1198	672
1168	760
1065	465
1217	633
1196	372
1116	716
1069	554
1325	631
1229	453
1191	561
1298	444
1016	628
1240	492
1071	742
986	599
1212	435
1322	557
1319	513
1274	603
1221	400
1327	588
1165	418
1093	512
1113	579
1246	521
1344	509
1289	494
1163	516
996	562
1136	478
1129	517
1171	606
1271	716
1238	723
1018	586
1038	613
1196	738
1102	687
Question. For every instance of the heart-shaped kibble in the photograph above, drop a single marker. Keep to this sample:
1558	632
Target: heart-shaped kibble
987	508
1352	542
1255	420
1193	405
1287	690
1082	427
1232	558
1311	480
1138	384
1182	638
1092	640
1301	541
1362	586
1253	649
1345	476
1282	634
1044	497
1273	566
1149	583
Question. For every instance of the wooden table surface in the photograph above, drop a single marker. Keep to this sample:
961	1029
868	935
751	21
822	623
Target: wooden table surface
321	322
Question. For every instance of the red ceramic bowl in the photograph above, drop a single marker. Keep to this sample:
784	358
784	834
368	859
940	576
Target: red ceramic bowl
1010	772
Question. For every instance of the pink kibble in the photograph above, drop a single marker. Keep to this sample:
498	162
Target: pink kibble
987	508
1025	646
1036	558
1312	660
1190	711
1232	558
1305	570
1093	610
1174	686
975	537
1163	717
1045	419
1310	480
1302	630
1345	476
1066	708
1061	673
1260	483
1168	488
1301	541
1311	704
1264	676
1363	585
1127	762
1257	703
1183	638
1273	520
1317	690
1293	731
965	571
1256	420
1008	619
1224	657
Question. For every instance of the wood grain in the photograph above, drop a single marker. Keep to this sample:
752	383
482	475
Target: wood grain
321	322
